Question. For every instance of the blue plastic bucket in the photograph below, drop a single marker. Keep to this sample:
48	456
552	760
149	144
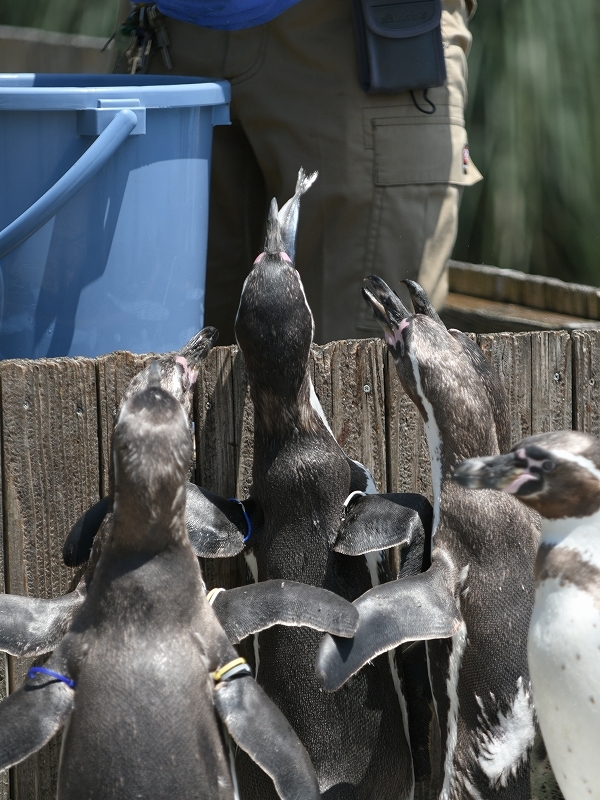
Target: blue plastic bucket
104	211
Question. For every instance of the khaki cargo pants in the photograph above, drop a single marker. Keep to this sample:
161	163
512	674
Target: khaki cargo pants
390	176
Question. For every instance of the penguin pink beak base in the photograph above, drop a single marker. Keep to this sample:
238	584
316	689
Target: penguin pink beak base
513	473
389	311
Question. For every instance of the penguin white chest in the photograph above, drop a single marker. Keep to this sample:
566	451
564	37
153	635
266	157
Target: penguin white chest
564	656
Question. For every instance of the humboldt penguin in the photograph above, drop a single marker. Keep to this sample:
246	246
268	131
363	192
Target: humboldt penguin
302	482
558	475
472	606
216	527
32	626
120	679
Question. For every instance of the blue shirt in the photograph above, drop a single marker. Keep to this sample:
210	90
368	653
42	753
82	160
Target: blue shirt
225	15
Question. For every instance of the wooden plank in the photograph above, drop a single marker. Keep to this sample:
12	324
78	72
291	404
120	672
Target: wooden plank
408	462
551	381
535	291
510	355
50	469
593	304
491	316
216	445
320	366
217	450
114	373
586	381
478	282
358	392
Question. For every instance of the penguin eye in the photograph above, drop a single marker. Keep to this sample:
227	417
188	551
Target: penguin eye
547	465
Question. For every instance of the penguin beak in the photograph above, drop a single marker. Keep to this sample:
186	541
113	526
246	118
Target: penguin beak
388	310
199	346
505	473
421	302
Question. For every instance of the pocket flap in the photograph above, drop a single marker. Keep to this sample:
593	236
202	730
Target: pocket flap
400	20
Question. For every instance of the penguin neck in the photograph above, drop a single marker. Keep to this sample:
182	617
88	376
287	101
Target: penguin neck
280	415
149	528
454	438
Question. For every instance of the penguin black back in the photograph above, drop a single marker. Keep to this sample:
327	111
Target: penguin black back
301	478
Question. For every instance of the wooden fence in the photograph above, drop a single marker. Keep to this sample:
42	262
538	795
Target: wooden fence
57	417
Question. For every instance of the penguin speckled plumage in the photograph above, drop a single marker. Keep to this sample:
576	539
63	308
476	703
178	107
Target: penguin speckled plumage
473	604
121	676
558	475
357	739
32	626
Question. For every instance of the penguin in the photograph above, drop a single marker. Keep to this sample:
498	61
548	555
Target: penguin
558	475
472	606
30	627
303	490
178	374
120	679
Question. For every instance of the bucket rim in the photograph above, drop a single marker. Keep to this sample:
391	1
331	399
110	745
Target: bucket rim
30	91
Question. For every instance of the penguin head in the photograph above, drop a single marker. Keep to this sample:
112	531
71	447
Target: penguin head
557	474
151	455
178	371
434	368
274	325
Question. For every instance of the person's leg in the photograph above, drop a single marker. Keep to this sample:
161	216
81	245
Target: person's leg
386	200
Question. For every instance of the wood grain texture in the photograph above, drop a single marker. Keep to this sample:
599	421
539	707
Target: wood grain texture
510	355
586	381
551	381
408	463
320	366
50	468
358	394
534	291
218	432
217	445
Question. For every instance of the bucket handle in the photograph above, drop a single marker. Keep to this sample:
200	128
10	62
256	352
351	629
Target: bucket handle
50	203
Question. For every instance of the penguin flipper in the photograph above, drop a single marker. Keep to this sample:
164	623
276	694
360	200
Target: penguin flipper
31	626
361	479
415	608
79	541
378	521
32	715
253	608
260	729
216	526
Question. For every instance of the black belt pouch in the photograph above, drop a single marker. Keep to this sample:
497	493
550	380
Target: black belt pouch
399	45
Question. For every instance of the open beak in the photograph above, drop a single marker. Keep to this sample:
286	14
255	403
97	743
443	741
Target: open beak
505	473
421	302
388	310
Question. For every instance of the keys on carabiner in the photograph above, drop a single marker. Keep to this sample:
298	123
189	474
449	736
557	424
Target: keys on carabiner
160	33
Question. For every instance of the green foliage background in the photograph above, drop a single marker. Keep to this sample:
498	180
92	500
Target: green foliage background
91	17
534	130
533	121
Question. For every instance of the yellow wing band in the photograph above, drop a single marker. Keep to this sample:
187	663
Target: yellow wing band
220	673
